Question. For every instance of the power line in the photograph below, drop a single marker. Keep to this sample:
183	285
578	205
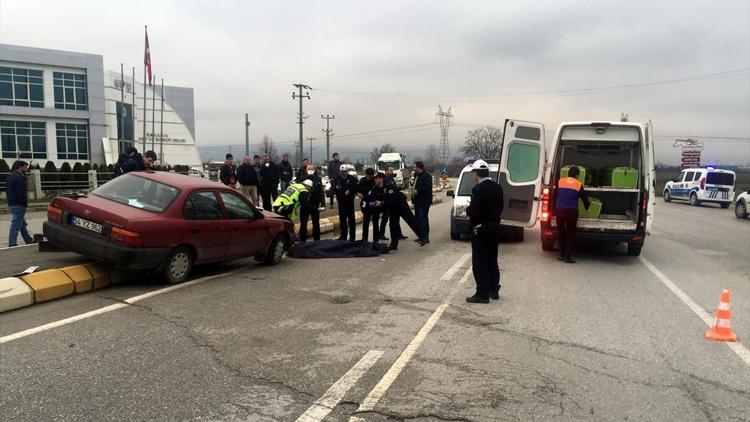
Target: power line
381	131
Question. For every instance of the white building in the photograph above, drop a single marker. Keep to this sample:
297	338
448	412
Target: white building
62	106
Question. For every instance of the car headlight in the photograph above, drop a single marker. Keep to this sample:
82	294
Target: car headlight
459	212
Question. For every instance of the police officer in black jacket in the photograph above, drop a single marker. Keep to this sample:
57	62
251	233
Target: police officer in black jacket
484	215
311	211
396	204
388	184
369	213
346	189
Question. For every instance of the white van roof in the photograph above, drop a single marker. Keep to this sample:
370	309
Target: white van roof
390	156
493	167
582	131
709	168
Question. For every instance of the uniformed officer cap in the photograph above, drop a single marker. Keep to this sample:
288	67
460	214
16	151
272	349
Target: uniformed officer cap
308	183
380	176
479	165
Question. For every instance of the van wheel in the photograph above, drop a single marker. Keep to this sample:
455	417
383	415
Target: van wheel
276	251
634	249
694	199
740	209
548	245
178	265
667	196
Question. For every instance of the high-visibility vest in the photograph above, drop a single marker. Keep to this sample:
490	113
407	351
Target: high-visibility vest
568	189
288	202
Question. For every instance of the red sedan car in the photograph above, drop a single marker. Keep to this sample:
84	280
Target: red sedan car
166	222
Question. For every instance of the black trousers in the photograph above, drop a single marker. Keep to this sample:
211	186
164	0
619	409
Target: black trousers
367	217
484	245
304	216
422	212
399	210
347	220
269	194
567	221
384	221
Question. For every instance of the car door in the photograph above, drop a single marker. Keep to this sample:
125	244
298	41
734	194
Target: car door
247	234
209	232
679	190
520	172
650	181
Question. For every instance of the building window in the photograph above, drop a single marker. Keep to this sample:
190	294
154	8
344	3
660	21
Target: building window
72	141
19	139
70	91
21	87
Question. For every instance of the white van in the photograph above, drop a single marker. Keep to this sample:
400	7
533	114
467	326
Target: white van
617	169
462	196
699	185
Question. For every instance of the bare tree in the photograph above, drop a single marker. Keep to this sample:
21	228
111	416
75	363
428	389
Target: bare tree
485	143
431	157
385	148
267	147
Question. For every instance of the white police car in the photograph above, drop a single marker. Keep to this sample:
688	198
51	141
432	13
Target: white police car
699	185
740	207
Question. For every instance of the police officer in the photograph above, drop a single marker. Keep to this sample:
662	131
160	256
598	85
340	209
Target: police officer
287	204
312	203
484	215
388	184
346	189
398	207
568	191
369	213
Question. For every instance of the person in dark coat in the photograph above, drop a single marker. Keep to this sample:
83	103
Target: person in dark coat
270	175
119	169
389	183
484	215
286	172
248	179
568	191
399	209
421	197
228	172
334	169
302	172
15	190
138	162
315	204
370	194
346	189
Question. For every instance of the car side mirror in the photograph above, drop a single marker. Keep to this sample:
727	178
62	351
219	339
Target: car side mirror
451	193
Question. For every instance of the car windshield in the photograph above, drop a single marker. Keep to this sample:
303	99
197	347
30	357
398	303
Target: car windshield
383	164
468	183
138	192
720	179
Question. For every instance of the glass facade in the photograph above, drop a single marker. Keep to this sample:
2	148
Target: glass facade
70	91
72	141
22	139
21	87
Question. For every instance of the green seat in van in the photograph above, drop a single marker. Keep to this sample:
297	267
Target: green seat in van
586	177
619	177
595	208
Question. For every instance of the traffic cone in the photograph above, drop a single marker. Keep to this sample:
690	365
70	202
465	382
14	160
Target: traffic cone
722	329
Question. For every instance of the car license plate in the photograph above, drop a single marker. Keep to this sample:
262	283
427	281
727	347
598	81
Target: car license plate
86	224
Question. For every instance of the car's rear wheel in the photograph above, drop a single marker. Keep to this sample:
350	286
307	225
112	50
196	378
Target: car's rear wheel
634	249
740	209
178	265
694	199
276	251
548	244
667	196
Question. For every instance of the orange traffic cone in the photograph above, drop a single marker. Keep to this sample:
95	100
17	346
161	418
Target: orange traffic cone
722	329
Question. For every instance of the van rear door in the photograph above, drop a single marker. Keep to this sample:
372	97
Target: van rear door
650	179
520	172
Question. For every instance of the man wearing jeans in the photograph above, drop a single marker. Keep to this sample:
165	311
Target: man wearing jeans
421	197
15	188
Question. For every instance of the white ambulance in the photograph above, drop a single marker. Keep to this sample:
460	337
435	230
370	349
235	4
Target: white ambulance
699	185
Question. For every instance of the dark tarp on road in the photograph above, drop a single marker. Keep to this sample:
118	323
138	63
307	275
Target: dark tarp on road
336	249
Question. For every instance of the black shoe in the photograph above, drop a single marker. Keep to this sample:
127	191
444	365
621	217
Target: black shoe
423	242
393	248
477	299
385	238
495	296
402	237
417	240
570	261
341	238
560	258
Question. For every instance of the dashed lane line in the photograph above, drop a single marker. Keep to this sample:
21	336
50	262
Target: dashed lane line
736	347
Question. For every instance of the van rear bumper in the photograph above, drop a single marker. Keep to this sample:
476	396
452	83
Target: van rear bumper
638	236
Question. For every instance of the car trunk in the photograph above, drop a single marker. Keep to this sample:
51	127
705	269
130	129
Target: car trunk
99	210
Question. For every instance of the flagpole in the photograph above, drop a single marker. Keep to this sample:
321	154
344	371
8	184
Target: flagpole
122	110
153	114
161	126
132	111
144	94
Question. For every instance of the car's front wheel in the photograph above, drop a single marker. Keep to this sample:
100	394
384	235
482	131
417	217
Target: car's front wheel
178	265
694	199
667	196
740	209
276	251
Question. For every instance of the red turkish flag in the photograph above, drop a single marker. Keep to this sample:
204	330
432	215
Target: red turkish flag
147	60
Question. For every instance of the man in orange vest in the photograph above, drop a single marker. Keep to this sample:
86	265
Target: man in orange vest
569	190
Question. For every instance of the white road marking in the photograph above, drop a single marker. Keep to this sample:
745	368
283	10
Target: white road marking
5	248
324	405
394	371
106	309
736	347
452	270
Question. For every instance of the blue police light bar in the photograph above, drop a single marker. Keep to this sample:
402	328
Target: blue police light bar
710	168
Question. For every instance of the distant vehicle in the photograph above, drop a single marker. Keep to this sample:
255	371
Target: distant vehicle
699	185
196	172
740	207
616	160
401	172
166	222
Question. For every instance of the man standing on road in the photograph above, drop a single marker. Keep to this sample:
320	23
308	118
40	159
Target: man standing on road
568	191
346	189
366	185
334	169
421	197
302	172
388	184
312	203
15	189
248	180
228	172
286	172
270	175
399	208
484	215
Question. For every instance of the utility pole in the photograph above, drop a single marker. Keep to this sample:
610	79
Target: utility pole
300	87
310	140
445	119
328	133
247	135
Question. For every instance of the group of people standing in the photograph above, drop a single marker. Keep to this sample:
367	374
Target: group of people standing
259	179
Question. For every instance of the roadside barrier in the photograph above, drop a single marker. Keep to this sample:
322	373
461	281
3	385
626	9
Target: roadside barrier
722	329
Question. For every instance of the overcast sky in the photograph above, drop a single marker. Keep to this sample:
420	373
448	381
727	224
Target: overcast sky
388	64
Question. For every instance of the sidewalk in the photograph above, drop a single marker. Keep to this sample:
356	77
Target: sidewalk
34	219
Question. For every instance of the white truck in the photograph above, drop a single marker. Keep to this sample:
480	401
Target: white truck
402	174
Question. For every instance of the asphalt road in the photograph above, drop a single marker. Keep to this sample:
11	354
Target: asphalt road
604	339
